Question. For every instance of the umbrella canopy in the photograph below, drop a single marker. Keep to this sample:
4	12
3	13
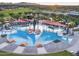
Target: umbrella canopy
52	23
20	20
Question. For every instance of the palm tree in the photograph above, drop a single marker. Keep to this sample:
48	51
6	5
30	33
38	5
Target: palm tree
71	24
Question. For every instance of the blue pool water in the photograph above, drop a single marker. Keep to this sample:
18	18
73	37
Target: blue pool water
45	37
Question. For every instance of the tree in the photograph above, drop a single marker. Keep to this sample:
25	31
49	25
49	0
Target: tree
24	17
71	24
15	15
2	15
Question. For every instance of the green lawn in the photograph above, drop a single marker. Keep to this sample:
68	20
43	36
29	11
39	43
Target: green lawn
16	10
64	53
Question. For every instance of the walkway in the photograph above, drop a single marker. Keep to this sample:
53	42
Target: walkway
75	47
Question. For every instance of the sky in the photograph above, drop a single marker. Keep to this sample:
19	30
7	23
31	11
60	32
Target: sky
46	2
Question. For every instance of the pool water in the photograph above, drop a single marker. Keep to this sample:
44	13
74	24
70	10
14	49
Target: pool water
23	36
43	38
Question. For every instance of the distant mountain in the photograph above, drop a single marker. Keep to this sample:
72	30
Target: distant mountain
26	3
21	3
38	6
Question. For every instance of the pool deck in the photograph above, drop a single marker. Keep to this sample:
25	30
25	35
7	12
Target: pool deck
75	44
31	50
51	47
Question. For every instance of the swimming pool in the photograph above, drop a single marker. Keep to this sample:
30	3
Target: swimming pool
22	35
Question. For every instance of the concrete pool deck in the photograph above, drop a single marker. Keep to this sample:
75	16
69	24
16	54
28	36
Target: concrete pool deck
32	50
75	44
51	47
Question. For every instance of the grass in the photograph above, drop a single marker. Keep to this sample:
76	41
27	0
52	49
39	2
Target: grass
22	10
16	10
64	53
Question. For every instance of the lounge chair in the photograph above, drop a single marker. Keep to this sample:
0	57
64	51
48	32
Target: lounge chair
11	41
24	44
39	45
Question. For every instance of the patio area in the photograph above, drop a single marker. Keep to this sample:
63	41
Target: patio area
30	50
